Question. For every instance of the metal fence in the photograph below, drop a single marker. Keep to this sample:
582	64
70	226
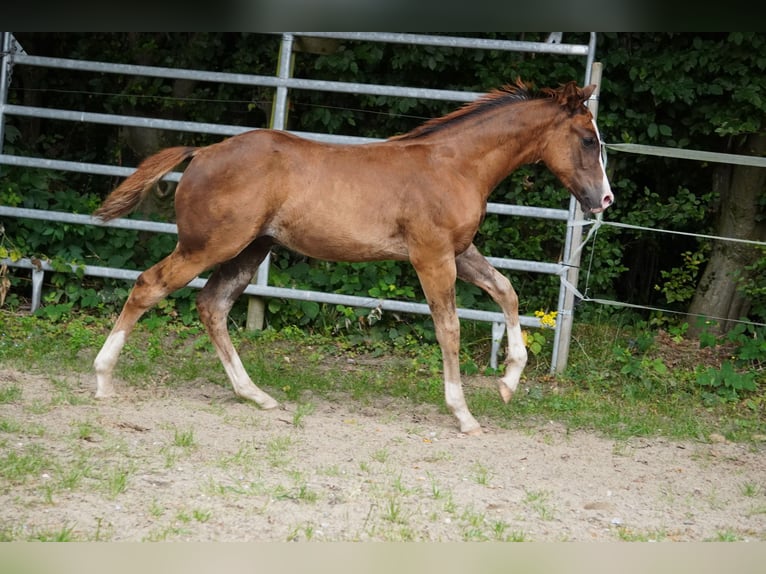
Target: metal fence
14	55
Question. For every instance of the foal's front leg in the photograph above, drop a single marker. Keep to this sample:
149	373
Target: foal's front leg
438	282
473	267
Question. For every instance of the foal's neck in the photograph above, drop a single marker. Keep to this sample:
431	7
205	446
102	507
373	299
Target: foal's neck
497	142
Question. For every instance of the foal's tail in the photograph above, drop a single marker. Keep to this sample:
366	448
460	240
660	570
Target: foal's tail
131	191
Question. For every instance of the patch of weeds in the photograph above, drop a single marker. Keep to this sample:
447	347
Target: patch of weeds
481	474
301	493
99	535
304	531
726	536
306	494
183	441
65	395
14	427
516	536
10	394
246	457
629	535
11	427
393	511
539	501
277	451
10	534
756	510
115	482
86	430
436	492
750	489
399	486
171	456
183	517
498	529
302	411
450	507
17	467
156	510
474	530
167	533
65	534
183	438
714	499
726	383
72	475
380	455
439	456
333	470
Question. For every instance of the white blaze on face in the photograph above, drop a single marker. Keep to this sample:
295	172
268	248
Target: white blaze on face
607	197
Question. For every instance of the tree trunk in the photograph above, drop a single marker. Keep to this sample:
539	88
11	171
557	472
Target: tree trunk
739	188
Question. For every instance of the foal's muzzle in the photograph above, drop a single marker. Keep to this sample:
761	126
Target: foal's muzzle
591	205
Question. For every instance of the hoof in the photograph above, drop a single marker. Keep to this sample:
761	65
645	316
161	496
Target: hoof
505	393
269	404
477	431
471	427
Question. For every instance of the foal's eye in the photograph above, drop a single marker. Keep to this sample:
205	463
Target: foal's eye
588	142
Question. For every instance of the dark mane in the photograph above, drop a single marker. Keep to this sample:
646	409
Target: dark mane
507	94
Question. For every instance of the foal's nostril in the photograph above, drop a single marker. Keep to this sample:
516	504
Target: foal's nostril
607	200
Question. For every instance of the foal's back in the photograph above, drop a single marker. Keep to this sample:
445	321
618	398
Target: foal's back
328	201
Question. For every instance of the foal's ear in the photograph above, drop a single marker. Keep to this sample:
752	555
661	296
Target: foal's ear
572	97
587	92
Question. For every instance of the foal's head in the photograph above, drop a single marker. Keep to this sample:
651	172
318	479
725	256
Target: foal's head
573	150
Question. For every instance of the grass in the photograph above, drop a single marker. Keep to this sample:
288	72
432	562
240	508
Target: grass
17	467
611	386
278	451
10	394
301	412
115	481
482	475
750	489
183	438
631	535
539	502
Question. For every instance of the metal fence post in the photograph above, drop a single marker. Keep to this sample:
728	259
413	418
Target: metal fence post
256	306
571	258
5	67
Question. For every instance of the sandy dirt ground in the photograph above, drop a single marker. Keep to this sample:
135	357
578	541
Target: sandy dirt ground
193	463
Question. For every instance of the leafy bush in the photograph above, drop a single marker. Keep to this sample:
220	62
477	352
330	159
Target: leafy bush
740	375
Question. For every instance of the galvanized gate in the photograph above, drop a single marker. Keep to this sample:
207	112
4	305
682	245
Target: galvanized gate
14	55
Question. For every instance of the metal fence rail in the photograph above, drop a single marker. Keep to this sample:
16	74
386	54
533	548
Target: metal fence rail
281	82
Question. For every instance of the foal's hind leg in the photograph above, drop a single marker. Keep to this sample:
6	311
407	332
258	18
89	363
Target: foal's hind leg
152	285
214	303
473	267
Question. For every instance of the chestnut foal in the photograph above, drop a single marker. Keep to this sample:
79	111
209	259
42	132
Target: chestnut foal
419	196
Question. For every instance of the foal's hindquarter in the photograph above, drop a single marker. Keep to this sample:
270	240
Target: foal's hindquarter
419	199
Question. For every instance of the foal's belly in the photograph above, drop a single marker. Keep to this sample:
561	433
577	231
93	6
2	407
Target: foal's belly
340	245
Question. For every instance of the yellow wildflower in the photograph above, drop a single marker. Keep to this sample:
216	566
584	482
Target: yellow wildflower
547	318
